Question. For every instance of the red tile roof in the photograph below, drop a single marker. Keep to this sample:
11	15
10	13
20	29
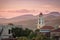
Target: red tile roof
56	30
47	27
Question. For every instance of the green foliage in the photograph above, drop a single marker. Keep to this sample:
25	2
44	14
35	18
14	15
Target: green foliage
32	35
37	30
27	34
41	37
16	32
22	38
19	32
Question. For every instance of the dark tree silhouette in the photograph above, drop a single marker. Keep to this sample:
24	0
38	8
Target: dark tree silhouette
19	32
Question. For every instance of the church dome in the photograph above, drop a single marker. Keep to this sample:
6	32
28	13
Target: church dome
40	14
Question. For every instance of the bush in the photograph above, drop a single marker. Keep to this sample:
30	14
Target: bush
22	38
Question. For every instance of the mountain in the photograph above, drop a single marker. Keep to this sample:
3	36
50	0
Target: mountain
17	19
30	21
50	19
22	18
52	16
3	20
54	13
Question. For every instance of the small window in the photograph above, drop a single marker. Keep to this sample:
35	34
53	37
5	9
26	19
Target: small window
9	31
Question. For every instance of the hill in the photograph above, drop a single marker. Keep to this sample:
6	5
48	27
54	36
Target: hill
30	21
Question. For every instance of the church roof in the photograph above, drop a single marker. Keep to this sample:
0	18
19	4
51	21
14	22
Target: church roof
56	30
47	27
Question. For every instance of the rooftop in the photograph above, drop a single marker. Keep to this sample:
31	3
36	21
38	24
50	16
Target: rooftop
56	30
47	27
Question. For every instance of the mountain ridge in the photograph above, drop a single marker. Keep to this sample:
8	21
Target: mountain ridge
31	21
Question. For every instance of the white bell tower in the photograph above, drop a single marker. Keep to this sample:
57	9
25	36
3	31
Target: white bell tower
41	22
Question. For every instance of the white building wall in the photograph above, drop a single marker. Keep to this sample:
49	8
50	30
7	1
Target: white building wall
5	33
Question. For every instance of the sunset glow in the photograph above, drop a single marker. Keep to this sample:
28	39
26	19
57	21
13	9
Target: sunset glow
13	8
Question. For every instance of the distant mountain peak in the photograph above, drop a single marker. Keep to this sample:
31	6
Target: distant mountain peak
54	13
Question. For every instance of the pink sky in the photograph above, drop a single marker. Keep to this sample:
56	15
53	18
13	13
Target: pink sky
13	8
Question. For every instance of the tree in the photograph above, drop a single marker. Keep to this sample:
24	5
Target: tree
32	35
41	37
27	32
19	32
37	30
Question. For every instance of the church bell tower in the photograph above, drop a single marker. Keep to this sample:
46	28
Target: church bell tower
40	21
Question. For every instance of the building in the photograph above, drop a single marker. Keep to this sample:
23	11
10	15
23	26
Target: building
42	27
5	31
55	34
49	31
41	22
46	30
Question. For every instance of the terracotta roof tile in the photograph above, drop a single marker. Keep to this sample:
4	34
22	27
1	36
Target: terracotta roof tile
47	27
56	30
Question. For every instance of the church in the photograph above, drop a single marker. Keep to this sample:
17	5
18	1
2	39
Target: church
49	31
41	24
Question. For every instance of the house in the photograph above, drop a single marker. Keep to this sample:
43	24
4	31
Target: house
46	30
55	34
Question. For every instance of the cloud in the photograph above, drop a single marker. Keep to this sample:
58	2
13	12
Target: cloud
14	7
19	11
23	11
14	13
28	4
